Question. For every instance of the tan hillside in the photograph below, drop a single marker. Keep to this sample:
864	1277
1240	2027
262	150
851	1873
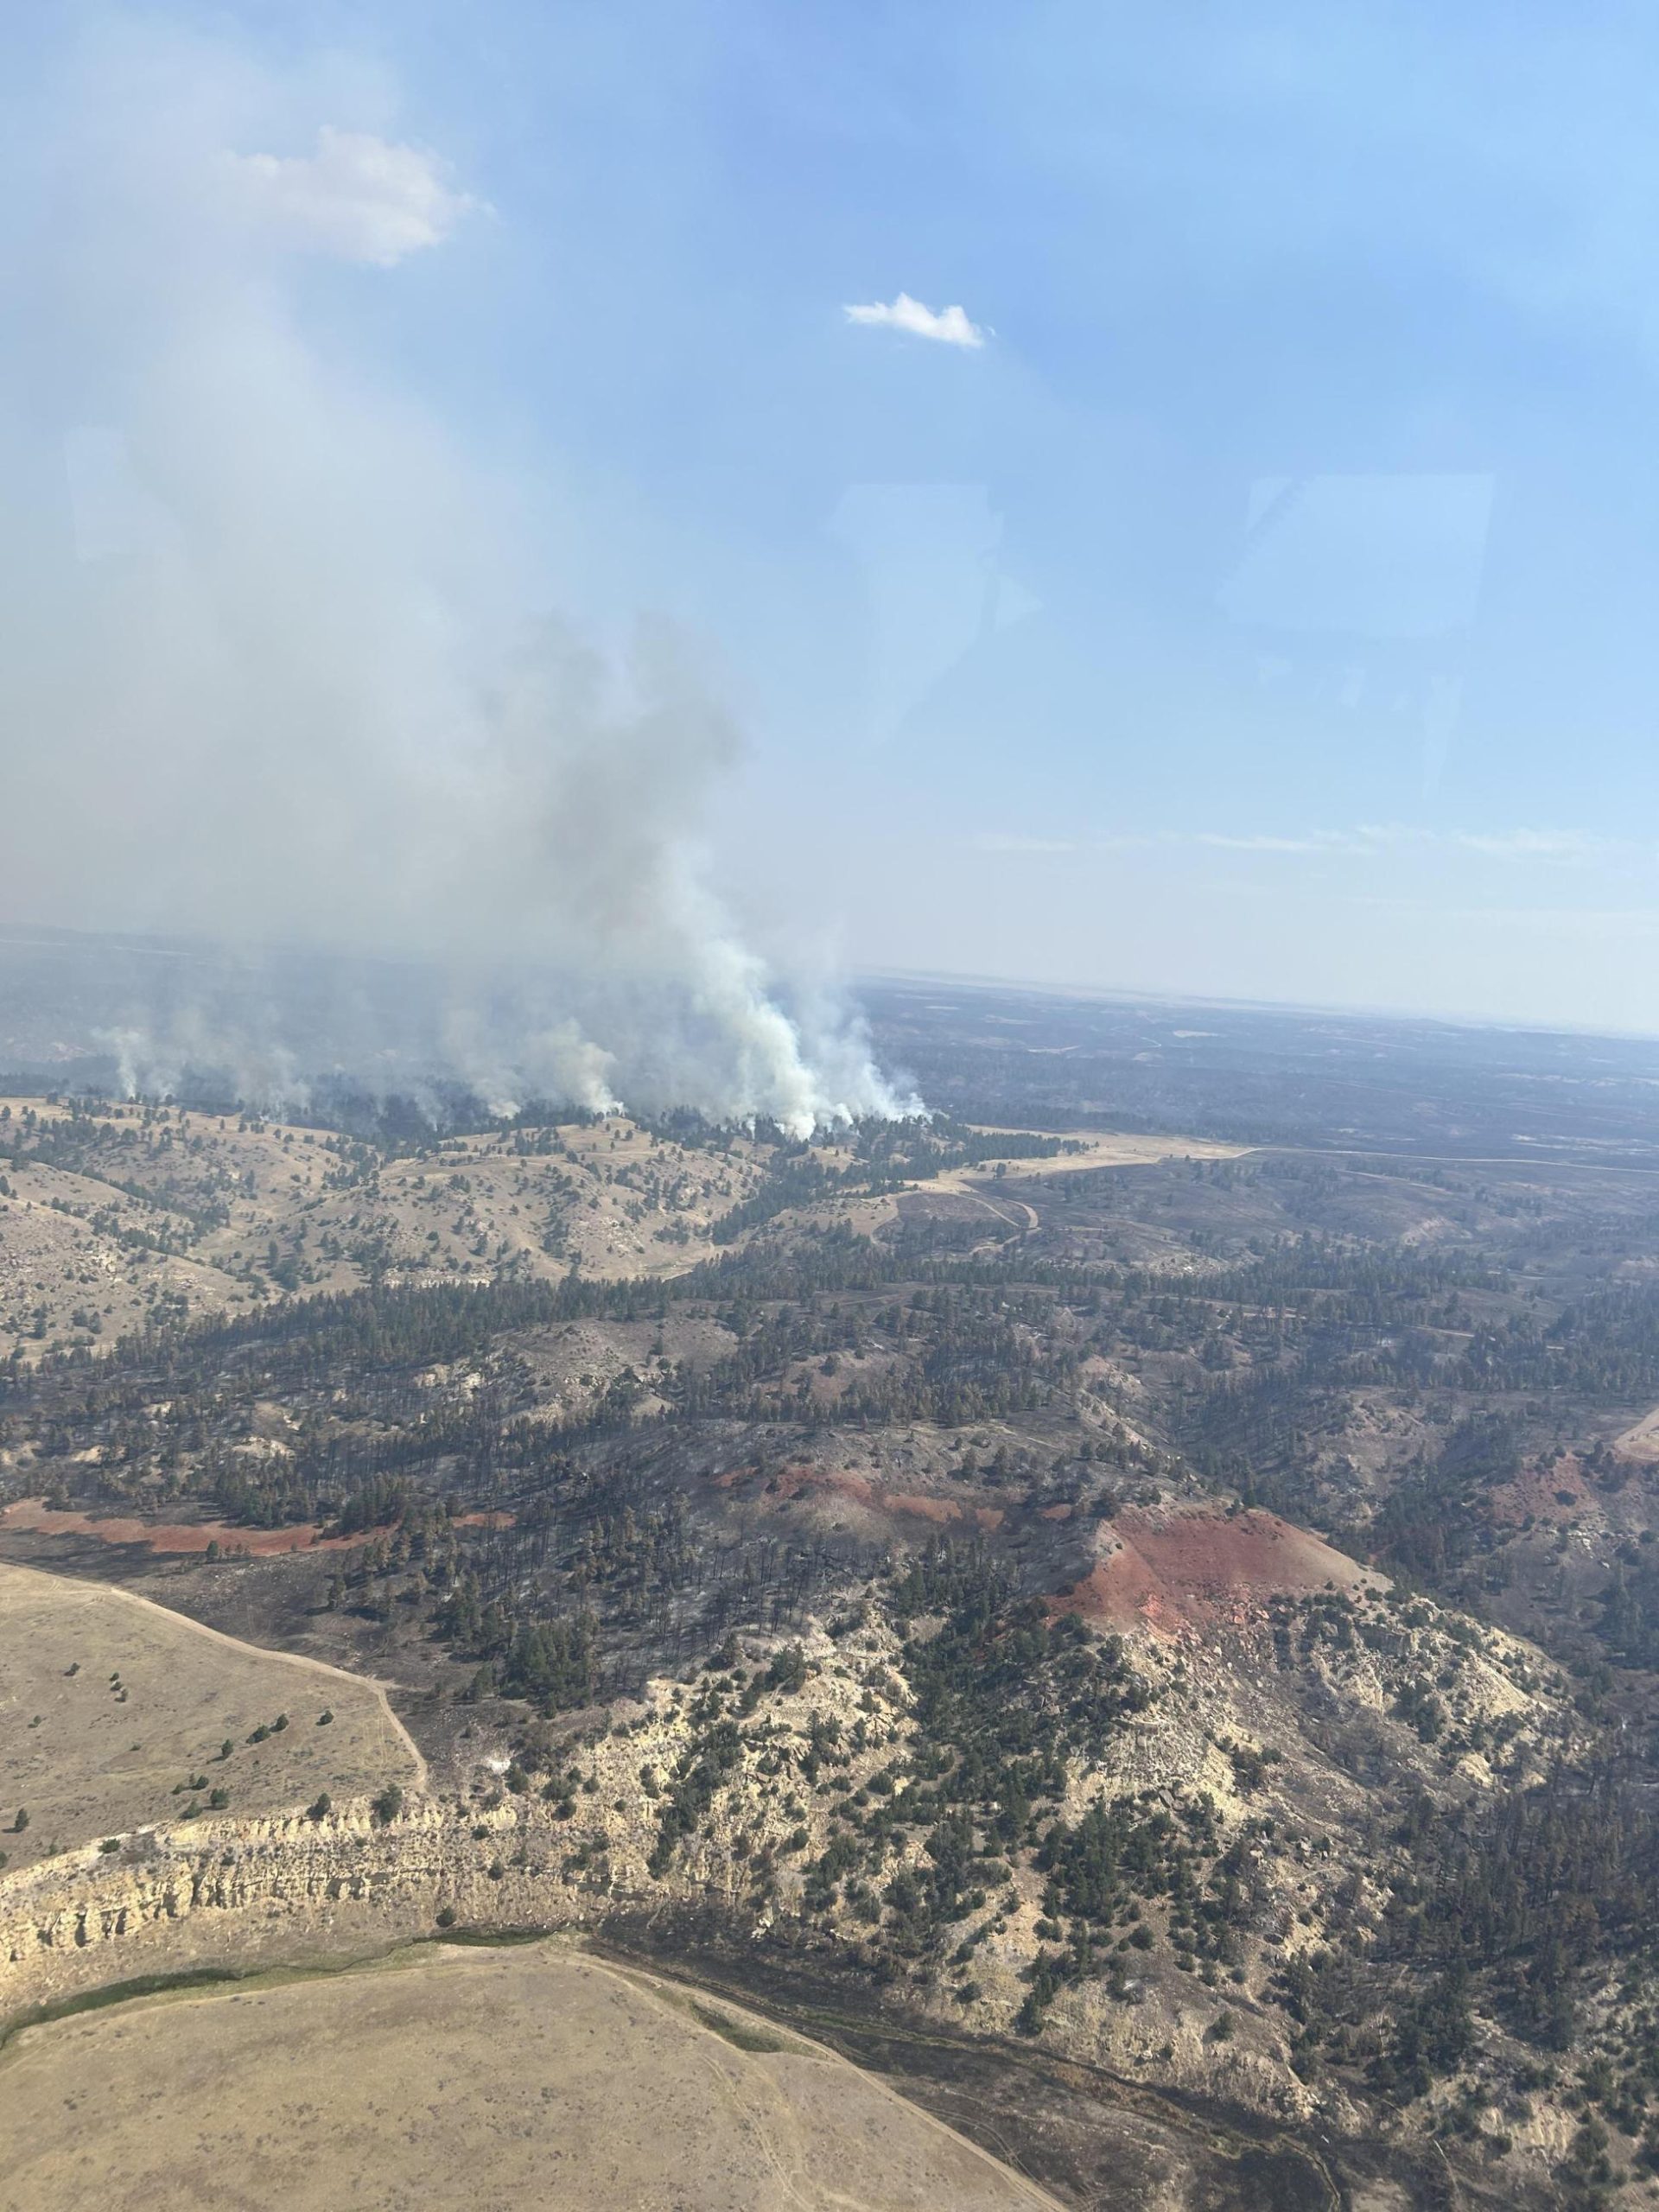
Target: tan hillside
108	1704
467	2079
113	1214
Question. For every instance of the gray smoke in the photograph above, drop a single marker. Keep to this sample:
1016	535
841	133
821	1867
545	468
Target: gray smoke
278	673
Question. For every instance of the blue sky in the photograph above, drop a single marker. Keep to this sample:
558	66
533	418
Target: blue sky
1263	608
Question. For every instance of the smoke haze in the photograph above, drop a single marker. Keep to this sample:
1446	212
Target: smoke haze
281	672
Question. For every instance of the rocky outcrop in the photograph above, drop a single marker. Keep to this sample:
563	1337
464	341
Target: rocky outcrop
237	1893
229	1893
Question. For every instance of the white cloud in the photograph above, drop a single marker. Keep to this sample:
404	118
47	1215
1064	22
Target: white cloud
1575	847
1317	843
949	326
1540	844
1571	848
995	840
356	197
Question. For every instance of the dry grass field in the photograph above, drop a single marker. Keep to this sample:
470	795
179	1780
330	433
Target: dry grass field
483	2080
114	1215
108	1704
132	1212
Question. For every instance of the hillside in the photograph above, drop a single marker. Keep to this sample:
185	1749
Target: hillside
553	2071
112	1215
1131	1604
117	1715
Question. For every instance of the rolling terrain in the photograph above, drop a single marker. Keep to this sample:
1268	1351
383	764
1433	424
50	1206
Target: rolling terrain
112	1215
1149	1602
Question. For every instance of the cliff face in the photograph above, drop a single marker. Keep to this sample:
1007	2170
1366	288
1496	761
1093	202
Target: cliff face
237	1893
228	1893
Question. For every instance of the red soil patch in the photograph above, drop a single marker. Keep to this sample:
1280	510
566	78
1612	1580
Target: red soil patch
1055	1512
942	1511
789	1482
34	1515
1534	1492
1194	1568
31	1513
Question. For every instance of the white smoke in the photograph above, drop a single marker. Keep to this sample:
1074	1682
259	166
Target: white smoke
174	1050
283	675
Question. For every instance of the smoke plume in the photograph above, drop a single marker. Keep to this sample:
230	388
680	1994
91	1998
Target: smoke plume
279	671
